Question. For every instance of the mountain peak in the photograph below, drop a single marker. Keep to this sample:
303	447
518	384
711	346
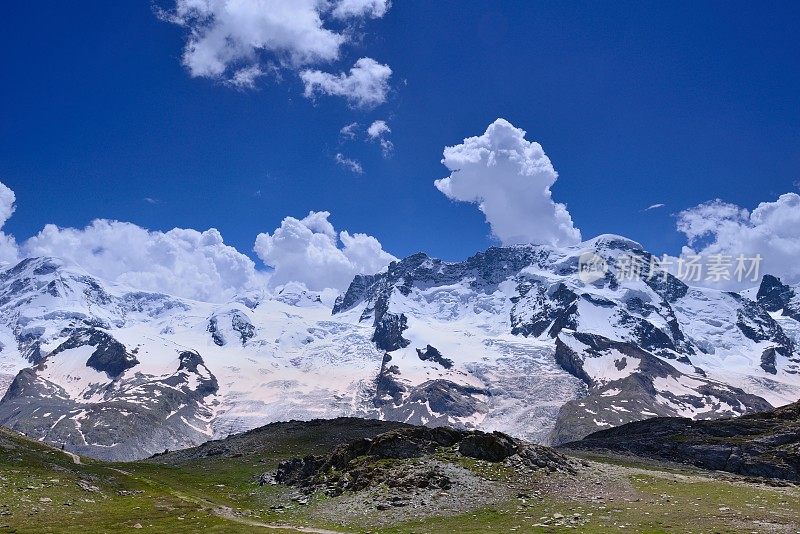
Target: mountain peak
613	241
37	266
773	294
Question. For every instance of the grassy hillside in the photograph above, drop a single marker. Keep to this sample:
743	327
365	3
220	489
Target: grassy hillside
214	488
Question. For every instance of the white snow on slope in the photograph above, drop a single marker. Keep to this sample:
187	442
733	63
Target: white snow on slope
285	356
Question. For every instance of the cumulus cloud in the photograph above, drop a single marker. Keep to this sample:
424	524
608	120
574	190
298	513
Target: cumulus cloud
345	9
510	179
309	251
185	263
377	132
7	203
706	220
365	86
771	230
239	41
199	265
378	129
225	35
8	246
348	163
182	262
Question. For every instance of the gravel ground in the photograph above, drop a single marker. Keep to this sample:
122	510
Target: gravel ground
386	506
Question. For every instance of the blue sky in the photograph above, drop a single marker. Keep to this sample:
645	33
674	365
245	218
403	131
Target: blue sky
635	103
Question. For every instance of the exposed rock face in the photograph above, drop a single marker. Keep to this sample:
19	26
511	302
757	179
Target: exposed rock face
232	324
512	339
765	444
773	295
357	465
419	404
676	341
109	356
626	383
389	332
758	325
491	447
549	309
768	360
431	354
86	396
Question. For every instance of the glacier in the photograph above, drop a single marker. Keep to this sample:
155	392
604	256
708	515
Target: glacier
511	339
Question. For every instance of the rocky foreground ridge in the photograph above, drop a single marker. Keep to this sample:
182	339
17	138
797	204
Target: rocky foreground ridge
765	444
366	462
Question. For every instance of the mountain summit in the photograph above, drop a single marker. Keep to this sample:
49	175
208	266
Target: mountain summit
513	339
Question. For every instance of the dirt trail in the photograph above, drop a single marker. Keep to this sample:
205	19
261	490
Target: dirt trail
226	512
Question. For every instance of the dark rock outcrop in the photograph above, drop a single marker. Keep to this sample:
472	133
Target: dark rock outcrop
388	334
768	361
643	393
765	444
237	321
368	462
109	356
431	353
494	447
104	426
773	295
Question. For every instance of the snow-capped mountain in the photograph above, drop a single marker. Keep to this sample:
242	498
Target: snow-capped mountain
117	373
512	339
522	344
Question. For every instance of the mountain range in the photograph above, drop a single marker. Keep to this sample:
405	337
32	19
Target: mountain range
513	339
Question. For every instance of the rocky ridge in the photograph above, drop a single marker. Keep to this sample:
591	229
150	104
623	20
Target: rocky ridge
643	347
765	444
513	339
414	459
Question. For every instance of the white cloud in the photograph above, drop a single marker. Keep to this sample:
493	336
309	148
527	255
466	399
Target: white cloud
348	131
377	132
710	218
346	9
238	41
349	164
772	230
387	147
7	203
199	265
378	129
181	262
654	207
308	251
365	86
510	179
246	77
8	246
227	34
